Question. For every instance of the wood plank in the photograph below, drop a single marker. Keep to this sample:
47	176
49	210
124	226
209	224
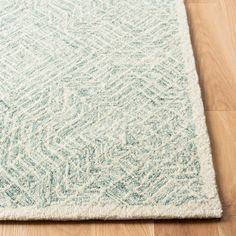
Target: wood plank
90	228
41	229
224	227
124	229
199	1
213	35
222	129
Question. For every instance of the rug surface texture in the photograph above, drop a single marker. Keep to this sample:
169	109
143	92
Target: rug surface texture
101	114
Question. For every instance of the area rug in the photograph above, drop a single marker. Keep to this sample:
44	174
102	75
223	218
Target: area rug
101	113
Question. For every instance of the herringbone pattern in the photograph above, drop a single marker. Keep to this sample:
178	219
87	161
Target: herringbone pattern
98	113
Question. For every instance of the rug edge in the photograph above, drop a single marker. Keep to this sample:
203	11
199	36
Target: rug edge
113	212
203	141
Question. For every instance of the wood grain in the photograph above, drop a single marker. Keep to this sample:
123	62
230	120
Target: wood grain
90	228
224	227
213	31
222	129
127	229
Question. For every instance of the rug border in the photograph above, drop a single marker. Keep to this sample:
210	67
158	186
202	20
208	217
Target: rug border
203	141
211	209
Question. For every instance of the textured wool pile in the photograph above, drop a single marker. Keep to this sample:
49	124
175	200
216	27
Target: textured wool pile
101	114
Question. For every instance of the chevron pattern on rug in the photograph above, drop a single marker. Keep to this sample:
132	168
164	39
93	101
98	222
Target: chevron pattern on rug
101	115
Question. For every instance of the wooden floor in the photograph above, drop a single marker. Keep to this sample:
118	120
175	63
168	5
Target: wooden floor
213	29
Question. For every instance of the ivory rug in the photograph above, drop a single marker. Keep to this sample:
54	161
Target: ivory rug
101	112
